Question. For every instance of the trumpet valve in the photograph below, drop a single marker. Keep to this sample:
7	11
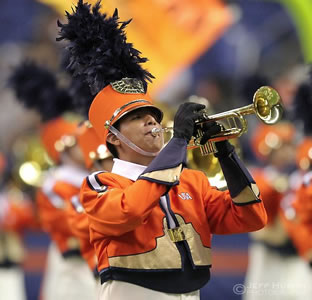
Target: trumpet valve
208	148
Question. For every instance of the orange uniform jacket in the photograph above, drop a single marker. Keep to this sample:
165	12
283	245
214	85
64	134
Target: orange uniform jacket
53	200
20	216
79	224
16	216
134	240
273	186
271	197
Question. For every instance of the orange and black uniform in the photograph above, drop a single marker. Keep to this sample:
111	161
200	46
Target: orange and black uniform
152	226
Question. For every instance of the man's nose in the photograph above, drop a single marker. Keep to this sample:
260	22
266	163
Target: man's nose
150	120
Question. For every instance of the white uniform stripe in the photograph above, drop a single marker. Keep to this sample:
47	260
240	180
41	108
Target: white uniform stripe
168	215
56	200
76	203
93	181
307	178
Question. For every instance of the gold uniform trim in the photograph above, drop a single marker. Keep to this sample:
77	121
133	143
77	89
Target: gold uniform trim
308	255
73	243
201	255
176	234
168	175
247	194
166	254
11	247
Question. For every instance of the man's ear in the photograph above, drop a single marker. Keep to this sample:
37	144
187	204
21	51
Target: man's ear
113	139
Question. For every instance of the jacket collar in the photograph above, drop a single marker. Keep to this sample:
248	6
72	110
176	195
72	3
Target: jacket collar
127	169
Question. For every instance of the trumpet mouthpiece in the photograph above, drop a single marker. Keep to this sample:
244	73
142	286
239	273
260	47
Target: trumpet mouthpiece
155	131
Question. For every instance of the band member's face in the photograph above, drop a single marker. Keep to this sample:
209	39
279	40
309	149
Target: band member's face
137	127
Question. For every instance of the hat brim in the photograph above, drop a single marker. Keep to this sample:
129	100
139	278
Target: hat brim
158	113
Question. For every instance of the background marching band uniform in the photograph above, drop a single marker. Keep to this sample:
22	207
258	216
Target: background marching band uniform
274	267
68	275
151	218
96	158
297	212
17	214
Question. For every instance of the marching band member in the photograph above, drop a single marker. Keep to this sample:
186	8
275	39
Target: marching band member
150	218
274	267
96	158
298	211
67	275
283	275
17	214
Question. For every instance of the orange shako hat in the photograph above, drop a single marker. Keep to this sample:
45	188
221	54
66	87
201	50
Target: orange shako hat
99	52
37	88
91	145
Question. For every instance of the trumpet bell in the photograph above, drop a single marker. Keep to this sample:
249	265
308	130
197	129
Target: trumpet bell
267	105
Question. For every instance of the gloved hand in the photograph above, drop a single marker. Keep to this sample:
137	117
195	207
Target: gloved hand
184	120
225	148
209	129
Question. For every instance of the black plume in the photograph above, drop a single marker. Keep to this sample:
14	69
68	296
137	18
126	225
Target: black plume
37	88
98	47
302	107
81	95
78	89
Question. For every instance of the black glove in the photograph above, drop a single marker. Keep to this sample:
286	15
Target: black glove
224	148
209	129
184	120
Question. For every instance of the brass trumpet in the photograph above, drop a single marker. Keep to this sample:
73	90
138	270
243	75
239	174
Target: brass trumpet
267	106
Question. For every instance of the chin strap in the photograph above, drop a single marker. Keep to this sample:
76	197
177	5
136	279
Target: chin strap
125	140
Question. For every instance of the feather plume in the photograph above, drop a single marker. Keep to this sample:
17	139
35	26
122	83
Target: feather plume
98	47
37	88
81	95
78	89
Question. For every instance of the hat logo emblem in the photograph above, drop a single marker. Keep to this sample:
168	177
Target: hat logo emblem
128	86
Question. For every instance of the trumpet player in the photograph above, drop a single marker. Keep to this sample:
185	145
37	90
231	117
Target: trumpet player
150	218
